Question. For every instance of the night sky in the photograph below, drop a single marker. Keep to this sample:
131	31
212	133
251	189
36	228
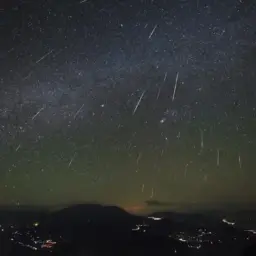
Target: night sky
123	102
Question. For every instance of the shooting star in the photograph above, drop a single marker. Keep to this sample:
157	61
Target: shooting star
165	76
138	103
240	161
152	32
38	112
18	148
152	193
158	94
43	57
78	111
160	88
175	86
202	139
71	160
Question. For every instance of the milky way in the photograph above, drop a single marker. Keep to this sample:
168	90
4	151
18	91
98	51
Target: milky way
122	102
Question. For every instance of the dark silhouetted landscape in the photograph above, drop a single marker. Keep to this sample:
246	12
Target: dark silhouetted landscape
93	229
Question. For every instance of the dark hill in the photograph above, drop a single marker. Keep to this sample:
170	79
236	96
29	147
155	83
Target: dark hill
90	220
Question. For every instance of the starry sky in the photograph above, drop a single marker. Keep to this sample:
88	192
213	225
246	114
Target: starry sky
128	102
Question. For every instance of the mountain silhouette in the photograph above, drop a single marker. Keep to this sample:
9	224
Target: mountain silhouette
93	229
92	220
91	225
84	213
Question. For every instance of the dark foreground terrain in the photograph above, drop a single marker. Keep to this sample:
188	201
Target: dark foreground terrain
107	230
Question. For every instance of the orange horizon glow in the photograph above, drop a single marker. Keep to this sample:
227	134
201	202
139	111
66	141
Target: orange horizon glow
134	208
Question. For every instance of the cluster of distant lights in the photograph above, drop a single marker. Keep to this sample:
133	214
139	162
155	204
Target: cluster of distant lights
154	218
233	223
140	226
196	241
48	244
35	242
191	241
228	222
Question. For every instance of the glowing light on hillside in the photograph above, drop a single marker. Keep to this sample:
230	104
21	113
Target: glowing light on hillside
228	222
